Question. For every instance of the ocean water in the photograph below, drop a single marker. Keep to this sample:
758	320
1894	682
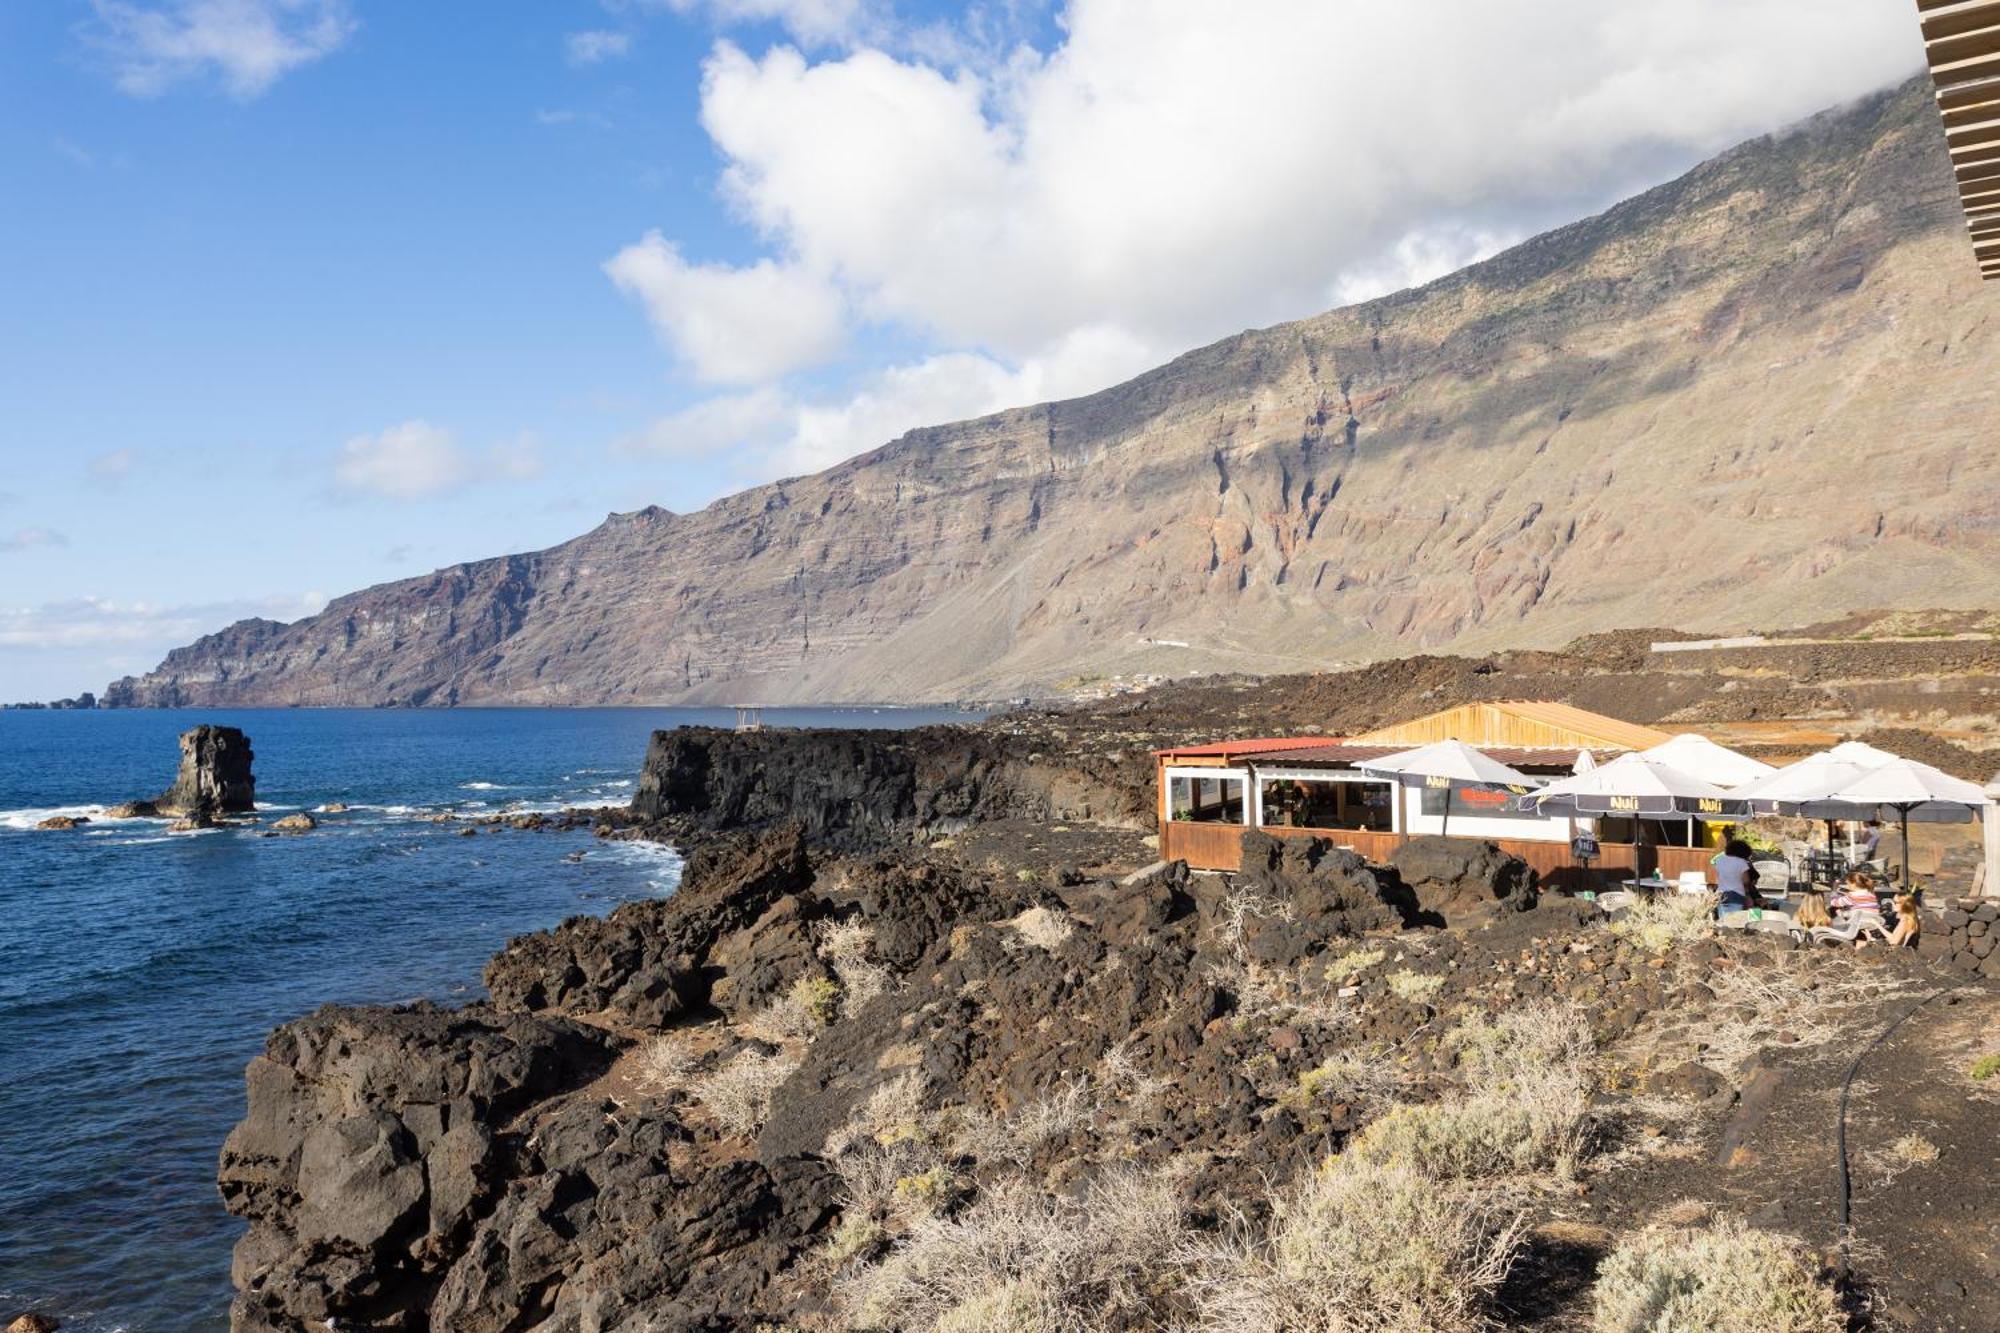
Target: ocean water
140	970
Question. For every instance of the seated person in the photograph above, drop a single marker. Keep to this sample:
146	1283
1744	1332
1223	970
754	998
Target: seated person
1735	878
1858	894
1907	924
1871	838
1812	911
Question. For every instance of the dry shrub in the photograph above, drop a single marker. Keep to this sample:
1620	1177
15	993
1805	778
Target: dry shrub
1343	970
1045	927
1723	1278
845	946
667	1062
1348	1076
1017	1259
1529	1076
1914	1149
1016	1138
739	1093
1375	1249
801	1013
1414	986
1659	922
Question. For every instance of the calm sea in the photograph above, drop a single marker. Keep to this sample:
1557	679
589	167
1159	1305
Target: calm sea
139	969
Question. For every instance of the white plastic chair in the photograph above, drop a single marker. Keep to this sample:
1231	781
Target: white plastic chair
1772	876
1856	925
1692	881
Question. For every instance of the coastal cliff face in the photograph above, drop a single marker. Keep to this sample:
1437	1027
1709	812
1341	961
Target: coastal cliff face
1754	396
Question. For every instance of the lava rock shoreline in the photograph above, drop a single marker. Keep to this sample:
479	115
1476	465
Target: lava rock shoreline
550	1158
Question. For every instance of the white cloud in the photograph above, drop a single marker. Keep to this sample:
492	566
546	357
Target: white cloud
728	422
416	460
597	45
811	22
405	462
732	325
248	44
766	433
31	539
101	623
1172	171
110	469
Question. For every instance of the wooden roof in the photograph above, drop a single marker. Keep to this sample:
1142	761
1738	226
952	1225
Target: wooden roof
1534	724
1962	44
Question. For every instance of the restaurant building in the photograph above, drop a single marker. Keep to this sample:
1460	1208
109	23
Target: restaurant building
1304	786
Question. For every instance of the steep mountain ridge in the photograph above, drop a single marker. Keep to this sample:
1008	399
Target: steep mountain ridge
1757	395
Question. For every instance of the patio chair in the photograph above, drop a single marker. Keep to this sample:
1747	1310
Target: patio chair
1856	926
1617	900
1773	877
1692	881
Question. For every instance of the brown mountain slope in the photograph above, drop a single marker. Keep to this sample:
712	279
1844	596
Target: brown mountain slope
1758	395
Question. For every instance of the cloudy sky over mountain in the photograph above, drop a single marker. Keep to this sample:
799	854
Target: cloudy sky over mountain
300	295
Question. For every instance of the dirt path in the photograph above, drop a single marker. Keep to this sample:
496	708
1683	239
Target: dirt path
1924	1249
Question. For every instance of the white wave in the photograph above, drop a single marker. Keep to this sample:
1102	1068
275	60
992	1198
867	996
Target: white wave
484	786
660	863
388	809
29	816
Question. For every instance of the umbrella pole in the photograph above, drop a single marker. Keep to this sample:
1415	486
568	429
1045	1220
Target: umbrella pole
1904	811
1444	829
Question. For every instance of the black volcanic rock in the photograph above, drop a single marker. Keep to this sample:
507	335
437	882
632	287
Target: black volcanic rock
214	778
843	788
373	1140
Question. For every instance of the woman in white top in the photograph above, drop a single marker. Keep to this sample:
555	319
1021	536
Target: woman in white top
1734	877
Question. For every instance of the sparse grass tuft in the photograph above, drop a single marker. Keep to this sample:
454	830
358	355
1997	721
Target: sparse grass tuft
1726	1278
1664	921
1415	987
1985	1067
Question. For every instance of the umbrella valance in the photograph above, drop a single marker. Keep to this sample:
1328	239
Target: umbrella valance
1448	766
1635	785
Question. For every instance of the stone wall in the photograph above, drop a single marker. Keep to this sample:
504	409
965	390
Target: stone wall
1965	936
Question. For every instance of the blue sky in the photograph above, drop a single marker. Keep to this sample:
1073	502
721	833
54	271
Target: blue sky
301	295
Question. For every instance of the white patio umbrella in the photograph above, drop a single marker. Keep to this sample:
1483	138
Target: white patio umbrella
1635	785
1702	758
1446	766
1911	791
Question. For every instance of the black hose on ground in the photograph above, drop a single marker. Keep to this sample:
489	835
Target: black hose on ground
1840	1133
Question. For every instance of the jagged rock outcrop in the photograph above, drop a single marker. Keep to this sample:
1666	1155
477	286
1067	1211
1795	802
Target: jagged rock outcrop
374	1142
1456	876
1509	455
842	788
214	778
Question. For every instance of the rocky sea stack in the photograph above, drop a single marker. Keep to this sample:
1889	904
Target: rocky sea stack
214	777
